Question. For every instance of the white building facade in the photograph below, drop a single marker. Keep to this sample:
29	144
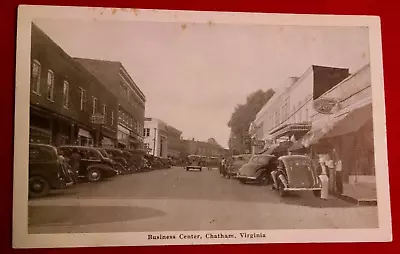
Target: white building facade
155	137
287	115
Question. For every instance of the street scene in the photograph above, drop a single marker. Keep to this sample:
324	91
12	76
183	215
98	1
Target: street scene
187	201
199	127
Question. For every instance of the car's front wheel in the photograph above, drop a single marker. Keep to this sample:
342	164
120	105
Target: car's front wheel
264	179
317	193
38	187
94	175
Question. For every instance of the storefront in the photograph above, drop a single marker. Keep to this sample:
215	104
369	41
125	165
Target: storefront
346	136
123	137
84	138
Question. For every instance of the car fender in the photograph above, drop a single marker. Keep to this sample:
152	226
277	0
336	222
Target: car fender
101	167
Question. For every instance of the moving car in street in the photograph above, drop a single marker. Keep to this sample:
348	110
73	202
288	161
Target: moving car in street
46	171
194	162
296	173
257	170
93	166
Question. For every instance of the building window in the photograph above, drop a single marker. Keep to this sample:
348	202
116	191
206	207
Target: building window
105	111
94	106
82	95
50	85
36	69
66	94
147	132
112	118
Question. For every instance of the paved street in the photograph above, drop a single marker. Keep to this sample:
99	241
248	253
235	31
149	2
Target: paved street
173	199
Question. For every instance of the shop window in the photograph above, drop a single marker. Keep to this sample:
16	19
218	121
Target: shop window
50	85
66	94
36	70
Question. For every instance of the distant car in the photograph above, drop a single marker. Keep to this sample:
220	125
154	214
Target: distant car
46	171
93	165
195	162
258	169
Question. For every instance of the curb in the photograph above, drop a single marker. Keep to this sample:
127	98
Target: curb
356	201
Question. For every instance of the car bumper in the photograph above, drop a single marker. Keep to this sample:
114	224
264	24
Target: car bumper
246	177
302	189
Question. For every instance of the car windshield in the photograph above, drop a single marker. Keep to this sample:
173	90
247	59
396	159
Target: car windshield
104	153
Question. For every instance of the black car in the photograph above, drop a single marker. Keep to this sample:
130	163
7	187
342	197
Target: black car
47	171
93	166
120	159
258	169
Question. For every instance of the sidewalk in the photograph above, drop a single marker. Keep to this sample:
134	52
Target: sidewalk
361	193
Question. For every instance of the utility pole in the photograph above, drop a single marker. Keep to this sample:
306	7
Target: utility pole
154	141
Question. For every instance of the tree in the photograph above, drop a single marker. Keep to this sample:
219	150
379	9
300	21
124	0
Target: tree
241	118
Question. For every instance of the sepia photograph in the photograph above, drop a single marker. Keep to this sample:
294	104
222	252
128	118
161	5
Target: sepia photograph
154	127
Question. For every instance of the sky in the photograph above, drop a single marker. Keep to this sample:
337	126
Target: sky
194	75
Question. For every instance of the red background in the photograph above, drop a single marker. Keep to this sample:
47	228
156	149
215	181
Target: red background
391	46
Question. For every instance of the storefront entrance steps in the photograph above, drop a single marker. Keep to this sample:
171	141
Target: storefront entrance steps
361	193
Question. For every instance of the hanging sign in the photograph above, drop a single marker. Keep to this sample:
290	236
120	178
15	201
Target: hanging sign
326	106
259	143
97	119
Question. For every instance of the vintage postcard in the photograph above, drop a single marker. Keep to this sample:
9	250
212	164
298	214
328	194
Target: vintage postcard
152	127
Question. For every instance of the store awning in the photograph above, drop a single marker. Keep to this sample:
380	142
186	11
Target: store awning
84	133
298	145
346	121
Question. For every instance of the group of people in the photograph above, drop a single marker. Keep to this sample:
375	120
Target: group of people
224	164
330	165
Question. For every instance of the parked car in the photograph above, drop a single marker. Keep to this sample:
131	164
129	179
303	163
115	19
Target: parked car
137	160
166	162
234	164
46	171
93	166
257	170
157	163
296	173
119	158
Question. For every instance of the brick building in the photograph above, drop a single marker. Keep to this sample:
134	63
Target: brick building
131	100
61	100
174	141
209	148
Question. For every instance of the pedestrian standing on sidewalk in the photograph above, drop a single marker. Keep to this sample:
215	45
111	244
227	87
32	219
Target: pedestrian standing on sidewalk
75	161
222	165
331	172
323	177
339	179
